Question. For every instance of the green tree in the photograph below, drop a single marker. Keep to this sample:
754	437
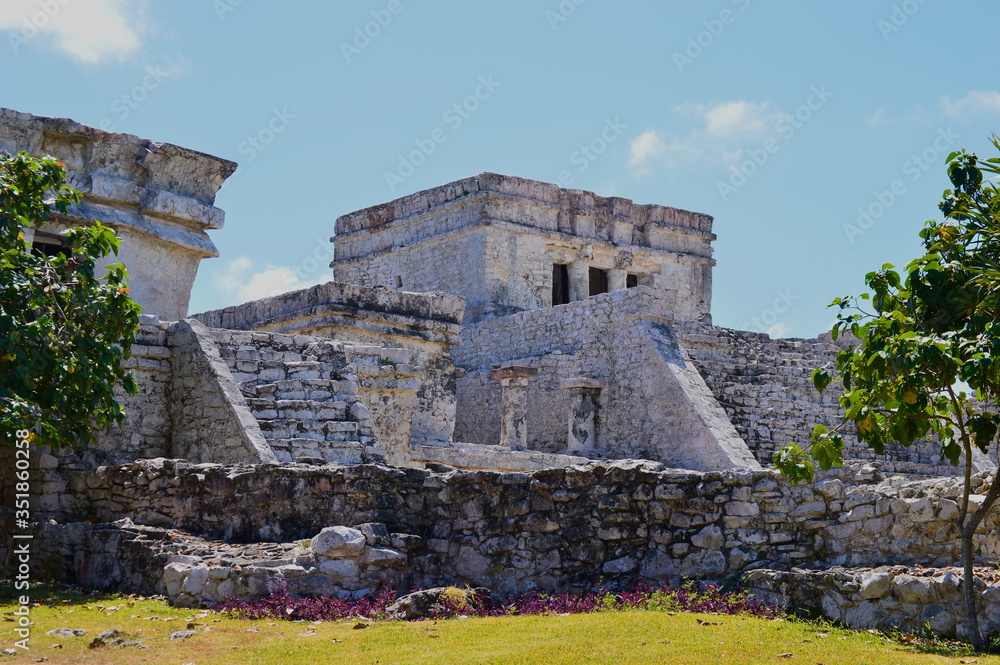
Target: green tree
924	340
64	331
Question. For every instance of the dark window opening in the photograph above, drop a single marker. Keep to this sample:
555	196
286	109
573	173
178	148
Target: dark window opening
631	281
48	244
560	284
598	281
399	281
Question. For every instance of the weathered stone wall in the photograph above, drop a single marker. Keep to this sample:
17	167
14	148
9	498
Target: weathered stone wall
147	427
552	529
890	598
424	326
159	198
765	386
654	406
213	421
493	239
308	396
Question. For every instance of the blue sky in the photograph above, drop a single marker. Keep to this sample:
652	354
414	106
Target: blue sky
814	133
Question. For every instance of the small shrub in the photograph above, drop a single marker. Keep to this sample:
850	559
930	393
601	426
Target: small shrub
709	599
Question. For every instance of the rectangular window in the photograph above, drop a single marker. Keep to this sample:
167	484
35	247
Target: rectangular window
598	281
631	281
560	284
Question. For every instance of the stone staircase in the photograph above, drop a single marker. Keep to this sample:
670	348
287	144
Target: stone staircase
303	392
765	386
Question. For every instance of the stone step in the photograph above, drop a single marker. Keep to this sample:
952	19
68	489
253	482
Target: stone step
277	370
313	389
297	409
341	452
280	428
249	353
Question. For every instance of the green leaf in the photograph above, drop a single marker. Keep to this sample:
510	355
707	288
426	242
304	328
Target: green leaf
821	378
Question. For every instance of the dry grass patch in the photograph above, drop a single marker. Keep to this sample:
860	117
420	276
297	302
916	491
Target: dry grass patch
639	637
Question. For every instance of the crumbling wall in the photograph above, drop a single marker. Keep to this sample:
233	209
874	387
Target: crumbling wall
556	529
424	326
765	386
654	406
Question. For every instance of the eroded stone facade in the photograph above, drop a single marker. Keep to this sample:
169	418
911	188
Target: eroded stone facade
158	197
498	242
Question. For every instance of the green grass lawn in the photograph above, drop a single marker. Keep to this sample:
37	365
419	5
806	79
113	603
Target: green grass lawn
605	637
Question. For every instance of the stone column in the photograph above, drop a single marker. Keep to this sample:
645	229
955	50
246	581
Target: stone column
579	281
617	279
514	404
584	415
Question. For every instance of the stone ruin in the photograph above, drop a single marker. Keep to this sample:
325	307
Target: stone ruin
508	385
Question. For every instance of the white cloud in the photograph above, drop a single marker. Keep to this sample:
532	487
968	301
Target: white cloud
644	148
779	329
975	102
242	283
90	31
721	134
883	117
737	120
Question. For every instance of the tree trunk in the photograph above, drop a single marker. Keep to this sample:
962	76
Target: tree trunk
969	588
968	532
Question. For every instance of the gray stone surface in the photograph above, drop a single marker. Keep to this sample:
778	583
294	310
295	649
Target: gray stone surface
503	234
157	196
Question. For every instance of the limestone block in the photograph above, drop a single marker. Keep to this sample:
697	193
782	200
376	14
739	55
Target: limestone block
704	565
339	541
657	566
742	509
831	489
910	589
340	569
620	566
947	509
922	510
864	616
195	580
875	585
173	577
709	538
378	556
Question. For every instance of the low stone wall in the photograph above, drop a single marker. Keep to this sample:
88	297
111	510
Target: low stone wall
358	562
552	529
893	598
